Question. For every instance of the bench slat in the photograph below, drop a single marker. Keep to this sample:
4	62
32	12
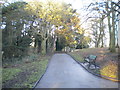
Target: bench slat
90	59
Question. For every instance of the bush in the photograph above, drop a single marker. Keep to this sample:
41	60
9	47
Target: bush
13	52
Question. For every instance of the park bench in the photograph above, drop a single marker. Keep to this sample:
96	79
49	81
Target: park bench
91	60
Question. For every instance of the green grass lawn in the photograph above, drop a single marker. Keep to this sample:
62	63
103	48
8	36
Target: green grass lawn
9	73
77	56
24	73
37	70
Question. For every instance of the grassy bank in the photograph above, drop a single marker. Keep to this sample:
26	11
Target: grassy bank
107	61
24	73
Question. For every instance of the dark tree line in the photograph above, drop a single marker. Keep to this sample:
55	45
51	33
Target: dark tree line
42	27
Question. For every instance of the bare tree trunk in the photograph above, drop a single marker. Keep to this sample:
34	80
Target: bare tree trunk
54	43
99	37
44	38
109	25
43	46
102	29
113	30
119	30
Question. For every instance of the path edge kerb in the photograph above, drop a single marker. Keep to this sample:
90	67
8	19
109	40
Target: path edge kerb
107	78
42	74
74	60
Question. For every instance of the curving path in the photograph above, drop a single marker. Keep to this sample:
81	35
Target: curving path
64	72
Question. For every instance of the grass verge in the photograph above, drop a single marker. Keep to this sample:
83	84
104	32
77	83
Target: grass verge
24	73
77	56
9	73
107	61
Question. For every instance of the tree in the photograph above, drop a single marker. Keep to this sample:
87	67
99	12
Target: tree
15	40
112	13
48	15
109	9
41	24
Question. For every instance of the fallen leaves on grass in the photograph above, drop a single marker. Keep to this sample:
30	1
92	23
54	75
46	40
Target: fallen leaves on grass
110	70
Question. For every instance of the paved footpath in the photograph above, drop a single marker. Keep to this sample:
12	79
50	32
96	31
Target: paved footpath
64	72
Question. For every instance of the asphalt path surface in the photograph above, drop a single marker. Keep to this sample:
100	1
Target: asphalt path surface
64	72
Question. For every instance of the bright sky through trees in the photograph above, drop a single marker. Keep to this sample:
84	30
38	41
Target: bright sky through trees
76	4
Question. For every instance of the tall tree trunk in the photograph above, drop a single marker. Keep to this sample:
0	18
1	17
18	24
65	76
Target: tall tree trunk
119	30
96	35
113	30
8	32
103	39
109	25
54	43
39	46
44	38
43	46
35	45
102	29
99	37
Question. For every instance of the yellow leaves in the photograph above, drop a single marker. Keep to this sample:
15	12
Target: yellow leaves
41	16
66	38
54	12
72	35
60	32
57	14
75	42
86	38
80	31
110	70
75	21
72	42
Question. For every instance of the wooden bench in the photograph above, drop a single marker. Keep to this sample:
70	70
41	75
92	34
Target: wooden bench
91	60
